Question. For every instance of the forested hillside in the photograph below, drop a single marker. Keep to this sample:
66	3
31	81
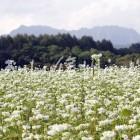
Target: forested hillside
47	49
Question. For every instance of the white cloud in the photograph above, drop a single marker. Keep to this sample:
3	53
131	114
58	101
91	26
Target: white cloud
71	14
107	12
8	24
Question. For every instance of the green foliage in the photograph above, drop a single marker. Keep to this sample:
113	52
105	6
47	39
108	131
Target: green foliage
46	49
126	113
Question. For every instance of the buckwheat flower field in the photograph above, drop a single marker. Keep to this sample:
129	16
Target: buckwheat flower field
70	105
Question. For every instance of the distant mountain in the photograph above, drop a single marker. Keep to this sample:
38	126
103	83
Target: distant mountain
35	30
119	36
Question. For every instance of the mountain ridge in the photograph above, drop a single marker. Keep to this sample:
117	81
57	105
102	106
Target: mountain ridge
119	36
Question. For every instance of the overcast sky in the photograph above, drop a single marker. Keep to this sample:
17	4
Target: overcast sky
69	14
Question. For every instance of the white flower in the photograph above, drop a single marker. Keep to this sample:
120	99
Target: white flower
105	122
108	135
125	137
82	126
5	113
26	127
136	137
39	116
46	117
74	109
101	110
57	128
96	56
87	138
37	137
36	126
124	127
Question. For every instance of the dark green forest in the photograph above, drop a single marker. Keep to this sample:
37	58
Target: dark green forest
47	49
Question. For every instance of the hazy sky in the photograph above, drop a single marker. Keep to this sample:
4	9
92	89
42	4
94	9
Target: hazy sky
69	14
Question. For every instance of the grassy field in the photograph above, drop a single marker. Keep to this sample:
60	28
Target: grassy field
70	105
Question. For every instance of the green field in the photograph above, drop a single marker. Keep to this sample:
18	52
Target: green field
70	105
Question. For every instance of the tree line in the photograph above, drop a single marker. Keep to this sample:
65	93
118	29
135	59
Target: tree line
47	49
